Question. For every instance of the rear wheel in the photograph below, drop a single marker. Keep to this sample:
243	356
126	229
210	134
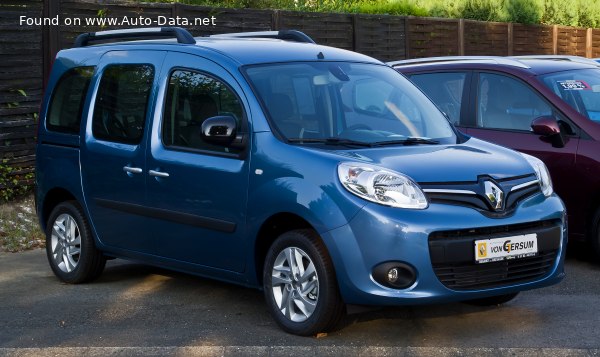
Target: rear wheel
70	247
492	300
300	285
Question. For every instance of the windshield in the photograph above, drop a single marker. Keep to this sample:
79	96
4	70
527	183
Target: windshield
347	103
579	88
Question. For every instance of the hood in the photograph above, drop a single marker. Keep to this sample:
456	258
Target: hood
445	163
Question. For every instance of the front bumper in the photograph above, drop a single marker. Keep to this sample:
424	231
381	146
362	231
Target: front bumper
379	234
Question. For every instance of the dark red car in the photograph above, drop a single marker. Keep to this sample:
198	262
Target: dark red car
546	106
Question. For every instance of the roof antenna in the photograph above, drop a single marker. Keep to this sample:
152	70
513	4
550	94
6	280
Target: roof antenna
321	55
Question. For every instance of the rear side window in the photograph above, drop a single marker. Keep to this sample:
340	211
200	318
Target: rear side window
66	105
121	103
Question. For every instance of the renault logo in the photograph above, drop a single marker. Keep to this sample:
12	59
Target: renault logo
494	195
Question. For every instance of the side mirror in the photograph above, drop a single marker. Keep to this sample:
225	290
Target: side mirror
548	128
219	130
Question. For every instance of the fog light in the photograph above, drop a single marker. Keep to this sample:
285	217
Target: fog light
393	275
397	275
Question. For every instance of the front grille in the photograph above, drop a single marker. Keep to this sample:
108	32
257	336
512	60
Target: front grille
452	255
454	194
495	231
492	275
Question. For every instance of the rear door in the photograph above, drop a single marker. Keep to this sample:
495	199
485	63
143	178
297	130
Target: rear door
113	162
198	190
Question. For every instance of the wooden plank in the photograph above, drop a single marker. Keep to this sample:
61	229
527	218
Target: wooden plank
325	28
17	148
432	37
21	160
18	135
380	36
481	38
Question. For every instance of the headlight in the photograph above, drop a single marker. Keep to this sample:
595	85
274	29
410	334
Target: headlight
541	171
382	186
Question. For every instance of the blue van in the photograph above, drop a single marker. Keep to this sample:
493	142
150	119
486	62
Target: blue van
322	176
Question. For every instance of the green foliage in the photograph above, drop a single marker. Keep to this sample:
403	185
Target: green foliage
16	104
484	10
583	13
561	12
525	11
398	7
101	14
443	8
10	178
589	13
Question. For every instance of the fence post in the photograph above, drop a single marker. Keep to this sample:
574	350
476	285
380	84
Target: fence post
555	39
276	20
461	37
175	10
355	32
588	43
406	38
50	36
509	39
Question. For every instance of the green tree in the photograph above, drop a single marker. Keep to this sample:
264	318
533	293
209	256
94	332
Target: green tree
525	11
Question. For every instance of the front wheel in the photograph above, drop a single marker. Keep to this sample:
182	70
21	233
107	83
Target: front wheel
300	285
70	246
492	300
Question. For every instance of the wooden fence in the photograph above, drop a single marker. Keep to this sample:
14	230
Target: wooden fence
21	74
26	52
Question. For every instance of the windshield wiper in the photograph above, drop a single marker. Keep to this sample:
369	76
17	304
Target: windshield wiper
330	141
411	140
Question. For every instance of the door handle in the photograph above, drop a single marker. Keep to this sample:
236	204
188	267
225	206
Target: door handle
158	173
132	170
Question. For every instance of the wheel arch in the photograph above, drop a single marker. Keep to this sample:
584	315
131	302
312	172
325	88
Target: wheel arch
270	230
53	198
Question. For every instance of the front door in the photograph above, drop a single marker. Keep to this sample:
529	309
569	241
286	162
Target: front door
199	189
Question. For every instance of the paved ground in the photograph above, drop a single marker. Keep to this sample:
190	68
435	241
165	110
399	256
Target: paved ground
134	309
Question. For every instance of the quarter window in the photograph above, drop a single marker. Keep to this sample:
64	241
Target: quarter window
122	102
64	113
192	98
505	103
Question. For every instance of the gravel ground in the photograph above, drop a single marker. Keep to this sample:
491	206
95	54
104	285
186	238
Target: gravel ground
19	228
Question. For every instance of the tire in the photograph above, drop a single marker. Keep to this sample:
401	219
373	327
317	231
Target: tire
492	300
302	304
594	238
70	246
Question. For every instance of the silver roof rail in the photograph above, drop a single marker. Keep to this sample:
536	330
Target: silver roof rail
181	34
286	35
558	58
477	59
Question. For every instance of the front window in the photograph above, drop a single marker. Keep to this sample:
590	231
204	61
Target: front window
579	88
507	103
193	97
347	102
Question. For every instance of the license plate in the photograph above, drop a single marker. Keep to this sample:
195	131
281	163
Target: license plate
497	249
